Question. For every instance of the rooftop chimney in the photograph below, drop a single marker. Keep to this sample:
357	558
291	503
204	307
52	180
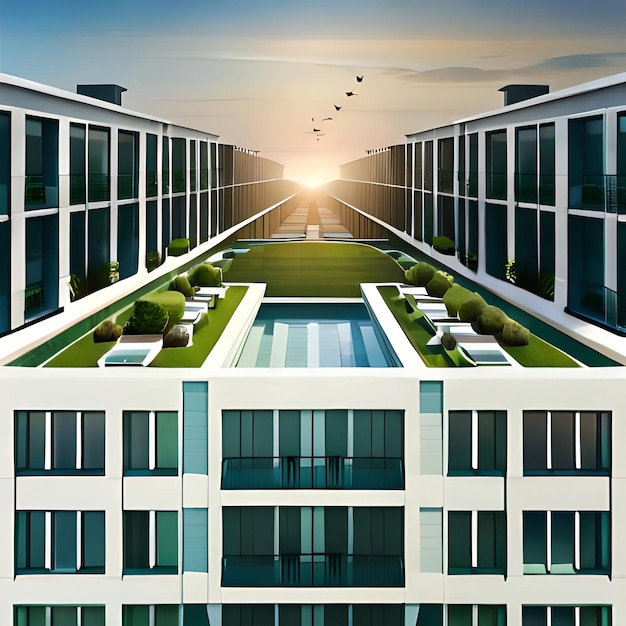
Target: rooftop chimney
518	93
108	93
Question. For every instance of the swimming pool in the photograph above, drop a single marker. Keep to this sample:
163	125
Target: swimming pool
314	335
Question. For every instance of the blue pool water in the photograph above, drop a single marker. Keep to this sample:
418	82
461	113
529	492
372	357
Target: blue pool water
313	335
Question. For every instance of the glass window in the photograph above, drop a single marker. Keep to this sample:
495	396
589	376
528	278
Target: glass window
192	165
418	165
178	165
546	164
42	163
77	250
179	217
472	181
204	165
193	220
496	240
526	251
535	441
535	542
5	162
165	171
150	542
151	166
51	542
127	165
526	164
30	444
586	163
150	443
446	165
459	442
98	164
128	239
428	165
459	542
5	275
78	168
98	248
546	255
496	165
461	173
204	217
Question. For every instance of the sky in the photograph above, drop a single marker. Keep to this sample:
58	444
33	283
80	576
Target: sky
262	74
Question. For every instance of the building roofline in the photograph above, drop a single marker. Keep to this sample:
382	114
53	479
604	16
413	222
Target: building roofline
600	83
56	92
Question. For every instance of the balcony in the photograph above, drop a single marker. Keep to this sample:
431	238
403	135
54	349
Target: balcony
314	472
312	570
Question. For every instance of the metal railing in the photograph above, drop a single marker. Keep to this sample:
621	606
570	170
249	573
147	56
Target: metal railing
312	472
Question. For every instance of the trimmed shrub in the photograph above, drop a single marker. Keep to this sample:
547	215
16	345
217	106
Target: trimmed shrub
445	245
177	337
448	341
438	285
149	318
420	274
471	308
153	260
172	301
205	275
454	297
178	247
514	334
490	321
107	331
182	285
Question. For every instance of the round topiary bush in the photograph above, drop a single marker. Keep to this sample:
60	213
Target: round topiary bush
149	318
454	297
177	337
178	247
205	275
420	274
438	285
490	321
471	308
172	301
182	285
514	334
107	331
448	341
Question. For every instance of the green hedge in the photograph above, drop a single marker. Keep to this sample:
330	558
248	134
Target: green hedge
172	301
490	321
439	284
514	334
107	331
182	285
454	297
149	318
471	308
205	275
420	274
178	247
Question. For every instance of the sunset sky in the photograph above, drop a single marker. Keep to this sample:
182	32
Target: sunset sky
255	72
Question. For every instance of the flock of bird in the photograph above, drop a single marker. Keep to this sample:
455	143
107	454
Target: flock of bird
318	131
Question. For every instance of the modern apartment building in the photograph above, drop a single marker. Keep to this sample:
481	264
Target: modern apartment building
319	473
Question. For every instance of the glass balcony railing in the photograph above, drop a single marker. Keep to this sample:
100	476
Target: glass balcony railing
312	472
78	189
126	186
313	570
38	195
99	187
599	303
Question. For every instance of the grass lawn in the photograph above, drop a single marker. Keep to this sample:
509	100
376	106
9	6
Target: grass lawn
537	353
85	353
433	356
205	335
314	268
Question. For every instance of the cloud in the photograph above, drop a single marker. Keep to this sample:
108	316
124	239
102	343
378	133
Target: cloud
579	61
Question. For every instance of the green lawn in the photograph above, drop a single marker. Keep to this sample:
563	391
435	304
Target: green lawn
537	353
85	353
314	268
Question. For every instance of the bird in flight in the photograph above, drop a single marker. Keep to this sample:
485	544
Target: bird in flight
359	79
336	107
326	118
314	131
351	93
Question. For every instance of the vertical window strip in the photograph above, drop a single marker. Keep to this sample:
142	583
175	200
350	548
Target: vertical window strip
577	541
474	531
549	440
474	440
79	540
577	451
548	541
151	612
151	440
79	441
48	540
48	440
152	539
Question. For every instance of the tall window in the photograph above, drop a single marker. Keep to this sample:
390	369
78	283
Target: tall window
204	165
496	165
193	174
476	443
78	158
127	165
446	165
151	165
567	442
42	262
165	170
567	542
526	164
472	179
150	443
59	615
42	163
150	542
98	164
566	615
428	165
151	615
59	542
178	165
586	163
547	164
476	542
59	442
5	162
